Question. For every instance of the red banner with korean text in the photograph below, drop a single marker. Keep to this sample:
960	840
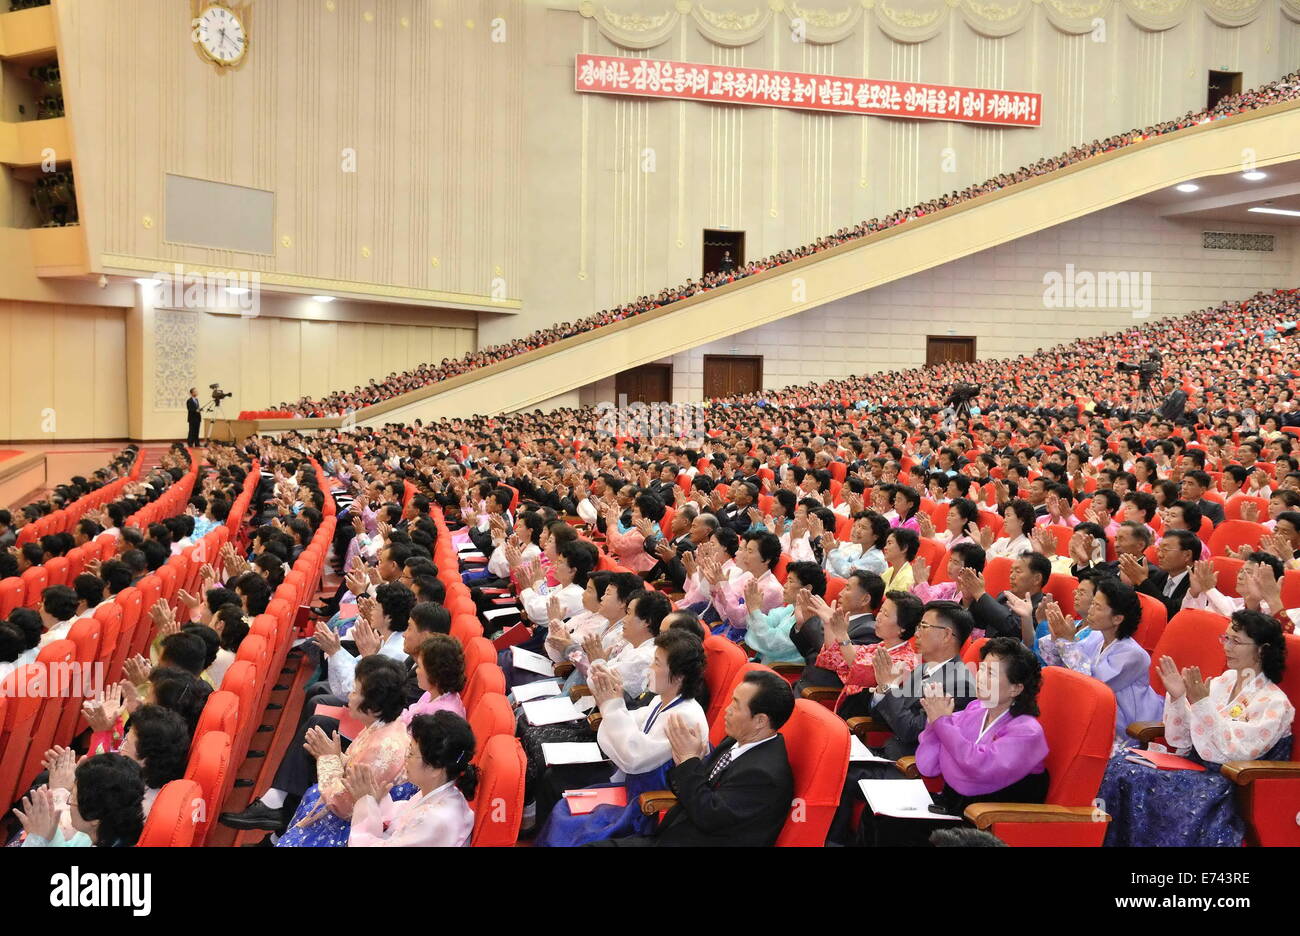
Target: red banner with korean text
724	84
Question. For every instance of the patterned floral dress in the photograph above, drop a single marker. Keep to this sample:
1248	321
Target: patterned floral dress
1152	807
324	817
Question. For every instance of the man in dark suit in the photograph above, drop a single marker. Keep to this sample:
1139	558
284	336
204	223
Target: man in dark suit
1175	404
1195	484
1005	615
740	793
192	410
1177	551
690	529
862	597
735	514
896	705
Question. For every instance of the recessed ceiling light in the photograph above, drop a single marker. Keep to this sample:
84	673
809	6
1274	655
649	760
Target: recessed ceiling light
1276	211
1254	175
1188	187
236	290
148	283
323	298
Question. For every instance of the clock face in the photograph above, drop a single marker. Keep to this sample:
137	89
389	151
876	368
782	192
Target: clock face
221	35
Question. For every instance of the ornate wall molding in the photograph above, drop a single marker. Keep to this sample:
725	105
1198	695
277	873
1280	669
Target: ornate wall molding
175	350
1156	15
733	27
902	21
1075	16
995	18
1233	12
733	23
633	30
822	25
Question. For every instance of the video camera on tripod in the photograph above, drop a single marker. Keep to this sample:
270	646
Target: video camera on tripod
1146	370
218	394
962	393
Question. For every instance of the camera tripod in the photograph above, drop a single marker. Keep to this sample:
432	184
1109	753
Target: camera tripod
1146	401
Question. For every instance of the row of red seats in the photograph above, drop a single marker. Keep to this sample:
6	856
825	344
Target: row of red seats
40	703
233	712
265	414
63	520
24	591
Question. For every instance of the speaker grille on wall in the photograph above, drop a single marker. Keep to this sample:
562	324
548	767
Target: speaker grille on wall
1222	240
202	213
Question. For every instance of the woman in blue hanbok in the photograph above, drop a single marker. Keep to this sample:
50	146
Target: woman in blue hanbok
636	741
1240	716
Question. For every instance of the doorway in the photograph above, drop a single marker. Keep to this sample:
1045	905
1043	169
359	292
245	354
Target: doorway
649	383
729	375
1221	84
940	349
724	251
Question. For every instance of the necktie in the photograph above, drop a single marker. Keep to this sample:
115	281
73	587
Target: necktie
721	764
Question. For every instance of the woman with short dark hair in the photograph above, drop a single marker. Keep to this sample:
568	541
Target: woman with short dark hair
376	701
1241	715
104	802
438	764
993	750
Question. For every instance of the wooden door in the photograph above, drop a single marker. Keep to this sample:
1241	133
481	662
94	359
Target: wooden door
729	375
940	349
649	383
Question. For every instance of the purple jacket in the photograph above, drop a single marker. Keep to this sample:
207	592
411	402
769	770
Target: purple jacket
1011	750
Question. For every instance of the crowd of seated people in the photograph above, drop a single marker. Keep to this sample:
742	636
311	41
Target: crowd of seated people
342	402
61	495
865	610
1079	485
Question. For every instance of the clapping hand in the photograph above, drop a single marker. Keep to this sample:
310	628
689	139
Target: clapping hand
1194	685
361	780
935	702
1022	607
920	570
985	538
1132	570
37	815
1060	628
102	712
318	744
883	666
326	639
684	738
61	763
367	638
137	670
1172	678
1203	578
593	648
605	684
971	584
753	597
926	525
665	551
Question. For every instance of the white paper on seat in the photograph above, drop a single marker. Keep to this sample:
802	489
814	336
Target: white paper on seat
859	753
551	711
532	662
901	799
569	752
471	554
527	692
499	612
585	703
467	547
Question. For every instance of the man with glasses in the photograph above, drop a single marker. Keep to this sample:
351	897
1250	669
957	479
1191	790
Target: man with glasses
896	701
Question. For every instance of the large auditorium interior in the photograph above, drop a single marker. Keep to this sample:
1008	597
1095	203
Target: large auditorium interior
651	423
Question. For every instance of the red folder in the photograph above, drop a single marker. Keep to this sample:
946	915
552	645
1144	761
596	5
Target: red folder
1166	761
349	727
511	636
582	802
